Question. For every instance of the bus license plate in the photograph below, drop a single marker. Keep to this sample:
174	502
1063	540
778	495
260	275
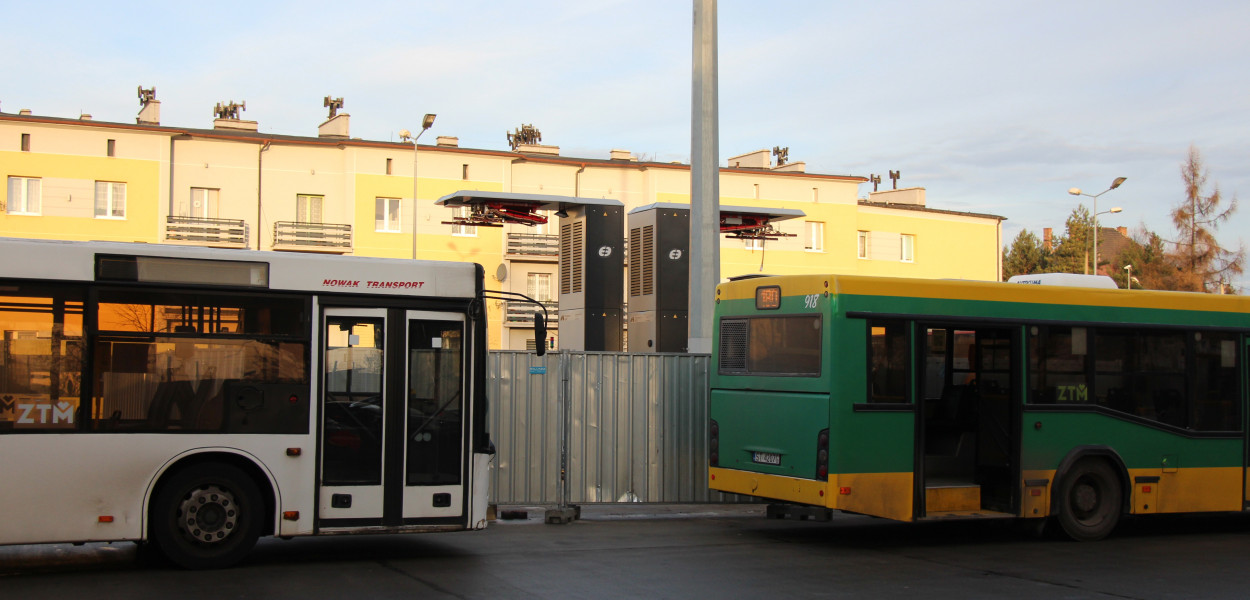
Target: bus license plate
766	458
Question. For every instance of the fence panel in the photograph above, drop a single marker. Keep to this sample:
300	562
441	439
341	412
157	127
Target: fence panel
636	423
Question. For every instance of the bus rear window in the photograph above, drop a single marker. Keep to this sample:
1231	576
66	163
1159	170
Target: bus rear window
780	345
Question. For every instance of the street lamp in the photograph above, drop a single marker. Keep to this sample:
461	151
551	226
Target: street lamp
1077	192
1128	276
406	135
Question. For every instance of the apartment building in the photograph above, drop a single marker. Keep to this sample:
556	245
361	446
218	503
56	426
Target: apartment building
232	186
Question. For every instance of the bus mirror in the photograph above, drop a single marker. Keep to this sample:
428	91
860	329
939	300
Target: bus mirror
540	333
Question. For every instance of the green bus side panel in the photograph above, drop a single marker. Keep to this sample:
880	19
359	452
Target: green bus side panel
872	442
776	422
1140	446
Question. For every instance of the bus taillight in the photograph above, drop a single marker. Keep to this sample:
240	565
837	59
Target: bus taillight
713	444
822	455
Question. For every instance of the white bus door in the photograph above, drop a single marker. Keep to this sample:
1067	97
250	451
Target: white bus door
392	405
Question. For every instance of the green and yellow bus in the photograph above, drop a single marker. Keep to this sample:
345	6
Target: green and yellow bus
919	399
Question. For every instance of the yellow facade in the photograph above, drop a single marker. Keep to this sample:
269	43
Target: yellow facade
234	187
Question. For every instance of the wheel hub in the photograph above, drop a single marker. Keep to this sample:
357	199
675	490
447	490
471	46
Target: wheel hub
208	514
1085	498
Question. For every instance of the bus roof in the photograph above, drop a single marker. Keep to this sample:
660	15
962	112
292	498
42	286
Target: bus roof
75	261
945	289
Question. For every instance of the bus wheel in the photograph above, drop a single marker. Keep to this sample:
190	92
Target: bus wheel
207	516
1089	501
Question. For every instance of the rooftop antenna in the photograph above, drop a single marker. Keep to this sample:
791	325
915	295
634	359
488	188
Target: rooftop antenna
781	154
229	110
334	104
146	96
526	134
895	176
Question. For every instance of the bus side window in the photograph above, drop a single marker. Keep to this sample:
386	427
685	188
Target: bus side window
887	361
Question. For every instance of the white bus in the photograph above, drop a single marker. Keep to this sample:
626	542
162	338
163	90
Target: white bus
196	399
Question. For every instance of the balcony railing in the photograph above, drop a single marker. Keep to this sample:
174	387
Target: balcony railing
222	233
533	245
312	237
521	314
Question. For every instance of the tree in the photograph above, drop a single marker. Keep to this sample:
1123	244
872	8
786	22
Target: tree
1025	256
1204	264
1154	268
1072	251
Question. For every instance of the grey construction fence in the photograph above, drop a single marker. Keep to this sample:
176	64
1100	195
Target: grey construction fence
635	425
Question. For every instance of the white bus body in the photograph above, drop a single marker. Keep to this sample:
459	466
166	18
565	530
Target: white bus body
197	398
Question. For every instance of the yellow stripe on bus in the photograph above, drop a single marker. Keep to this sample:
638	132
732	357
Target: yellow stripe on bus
887	495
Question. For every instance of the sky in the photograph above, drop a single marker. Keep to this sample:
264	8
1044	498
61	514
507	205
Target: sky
993	107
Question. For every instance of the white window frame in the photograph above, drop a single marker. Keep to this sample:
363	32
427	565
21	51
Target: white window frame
310	207
388	207
862	244
23	204
110	200
907	248
539	286
207	197
464	230
815	236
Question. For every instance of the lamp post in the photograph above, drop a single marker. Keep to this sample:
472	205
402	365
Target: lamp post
1077	192
1128	277
405	135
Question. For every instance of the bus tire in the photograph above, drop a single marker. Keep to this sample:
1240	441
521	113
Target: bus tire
1090	501
207	516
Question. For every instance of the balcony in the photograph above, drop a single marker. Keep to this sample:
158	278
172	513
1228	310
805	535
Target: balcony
218	233
521	314
312	237
533	246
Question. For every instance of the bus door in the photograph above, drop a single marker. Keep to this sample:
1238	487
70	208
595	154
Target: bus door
392	404
969	448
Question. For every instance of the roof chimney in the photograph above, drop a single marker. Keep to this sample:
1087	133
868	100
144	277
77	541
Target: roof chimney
448	141
760	159
335	127
622	155
538	149
24	112
1123	231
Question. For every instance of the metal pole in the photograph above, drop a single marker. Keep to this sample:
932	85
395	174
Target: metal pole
414	193
704	179
1096	233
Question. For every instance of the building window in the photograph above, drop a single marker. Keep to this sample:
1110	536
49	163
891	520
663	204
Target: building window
815	236
754	243
907	248
863	244
815	195
111	147
25	142
386	215
110	200
538	286
757	191
202	204
464	230
24	195
464	172
388	166
308	208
